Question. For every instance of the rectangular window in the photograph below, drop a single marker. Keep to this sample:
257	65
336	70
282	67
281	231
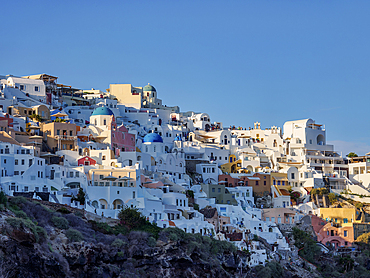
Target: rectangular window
16	162
213	190
267	218
219	190
16	173
26	188
345	233
256	182
58	131
21	87
272	219
36	88
264	182
101	177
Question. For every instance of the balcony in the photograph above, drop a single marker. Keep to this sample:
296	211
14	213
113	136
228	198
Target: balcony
65	137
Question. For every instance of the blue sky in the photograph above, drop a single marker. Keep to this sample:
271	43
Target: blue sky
239	61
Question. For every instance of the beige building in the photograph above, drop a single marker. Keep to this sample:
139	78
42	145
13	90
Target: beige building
113	177
24	111
60	136
127	94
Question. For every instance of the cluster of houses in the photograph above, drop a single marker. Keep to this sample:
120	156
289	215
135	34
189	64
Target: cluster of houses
124	148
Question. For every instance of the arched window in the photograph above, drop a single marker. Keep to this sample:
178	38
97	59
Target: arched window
105	122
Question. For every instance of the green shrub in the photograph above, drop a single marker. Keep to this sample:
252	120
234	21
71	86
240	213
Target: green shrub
332	198
152	241
60	222
41	233
50	248
118	243
359	205
79	214
304	241
2	207
63	210
74	235
19	223
21	214
221	246
3	199
120	254
18	200
196	206
174	234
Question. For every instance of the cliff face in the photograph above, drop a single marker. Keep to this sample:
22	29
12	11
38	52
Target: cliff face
21	256
43	243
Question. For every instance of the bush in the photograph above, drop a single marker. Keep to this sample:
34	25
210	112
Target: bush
118	243
120	254
359	205
174	234
63	210
60	222
152	242
131	217
332	198
309	249
41	233
74	235
3	199
20	223
2	207
134	220
364	239
18	200
21	214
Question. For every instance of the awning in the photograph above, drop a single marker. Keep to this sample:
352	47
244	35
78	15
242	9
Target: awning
280	178
254	178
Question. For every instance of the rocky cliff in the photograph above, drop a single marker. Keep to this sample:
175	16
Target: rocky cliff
38	242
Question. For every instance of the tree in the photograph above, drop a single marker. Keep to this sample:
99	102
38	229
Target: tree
131	217
364	238
36	117
352	154
80	196
332	198
307	245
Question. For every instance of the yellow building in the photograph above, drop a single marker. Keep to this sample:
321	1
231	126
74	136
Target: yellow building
280	180
342	215
233	166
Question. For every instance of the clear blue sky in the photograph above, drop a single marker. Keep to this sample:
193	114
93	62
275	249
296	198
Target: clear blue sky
239	61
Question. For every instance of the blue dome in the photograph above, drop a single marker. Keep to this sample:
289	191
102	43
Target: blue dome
103	110
152	138
149	88
177	138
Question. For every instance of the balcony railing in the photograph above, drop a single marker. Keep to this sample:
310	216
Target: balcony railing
65	137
